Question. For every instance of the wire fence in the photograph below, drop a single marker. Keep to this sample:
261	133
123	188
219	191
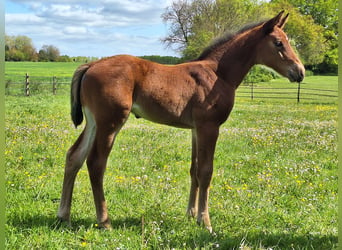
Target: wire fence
33	85
298	92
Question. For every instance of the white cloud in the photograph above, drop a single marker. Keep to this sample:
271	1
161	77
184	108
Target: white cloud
73	30
23	19
100	28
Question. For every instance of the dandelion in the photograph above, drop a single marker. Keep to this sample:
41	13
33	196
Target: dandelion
227	187
119	179
135	179
299	182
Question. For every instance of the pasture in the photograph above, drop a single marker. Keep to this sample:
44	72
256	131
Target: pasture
61	69
274	183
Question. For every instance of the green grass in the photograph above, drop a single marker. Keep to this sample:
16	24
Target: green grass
274	183
47	69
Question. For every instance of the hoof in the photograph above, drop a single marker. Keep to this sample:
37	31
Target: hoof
104	225
208	227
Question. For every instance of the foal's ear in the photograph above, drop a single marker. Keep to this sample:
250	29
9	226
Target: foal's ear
283	21
268	27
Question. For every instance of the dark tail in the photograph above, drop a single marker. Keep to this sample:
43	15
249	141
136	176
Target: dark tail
76	106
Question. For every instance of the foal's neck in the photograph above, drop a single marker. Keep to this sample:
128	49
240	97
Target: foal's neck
236	57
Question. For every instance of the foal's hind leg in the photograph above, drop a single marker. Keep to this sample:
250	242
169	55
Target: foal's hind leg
97	161
74	161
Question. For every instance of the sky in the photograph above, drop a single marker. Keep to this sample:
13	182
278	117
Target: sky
91	28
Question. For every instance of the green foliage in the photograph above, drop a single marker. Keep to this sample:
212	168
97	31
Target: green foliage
259	73
213	18
274	183
196	44
19	48
322	11
329	64
64	58
48	53
163	59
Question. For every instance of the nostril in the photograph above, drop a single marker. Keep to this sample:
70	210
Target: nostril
301	73
301	77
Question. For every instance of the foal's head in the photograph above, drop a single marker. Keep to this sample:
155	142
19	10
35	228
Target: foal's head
275	51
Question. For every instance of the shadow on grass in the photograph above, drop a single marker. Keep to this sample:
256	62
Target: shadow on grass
260	240
191	236
52	222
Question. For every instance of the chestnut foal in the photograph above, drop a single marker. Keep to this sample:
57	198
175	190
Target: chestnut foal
197	95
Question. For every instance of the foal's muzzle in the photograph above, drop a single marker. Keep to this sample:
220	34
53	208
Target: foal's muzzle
296	73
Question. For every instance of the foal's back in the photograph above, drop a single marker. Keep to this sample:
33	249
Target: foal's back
149	89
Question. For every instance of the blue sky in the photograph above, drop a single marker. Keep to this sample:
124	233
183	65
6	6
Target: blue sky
91	28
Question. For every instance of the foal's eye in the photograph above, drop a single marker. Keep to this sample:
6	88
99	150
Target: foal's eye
278	44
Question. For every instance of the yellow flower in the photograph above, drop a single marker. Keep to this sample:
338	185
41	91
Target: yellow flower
119	179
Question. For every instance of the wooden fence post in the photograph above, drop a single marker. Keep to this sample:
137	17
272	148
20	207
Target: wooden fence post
252	91
54	85
27	85
298	93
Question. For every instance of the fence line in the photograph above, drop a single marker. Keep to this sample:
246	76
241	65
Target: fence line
298	93
28	85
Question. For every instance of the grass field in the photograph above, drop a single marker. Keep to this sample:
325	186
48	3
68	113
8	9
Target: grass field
61	69
274	183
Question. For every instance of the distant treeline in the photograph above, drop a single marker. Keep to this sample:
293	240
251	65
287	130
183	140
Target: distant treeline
20	48
163	59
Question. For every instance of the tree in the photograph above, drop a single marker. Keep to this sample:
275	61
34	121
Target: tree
179	16
19	48
214	18
64	58
193	24
48	53
324	12
163	59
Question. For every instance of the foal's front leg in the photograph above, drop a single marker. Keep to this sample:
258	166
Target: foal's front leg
206	137
193	197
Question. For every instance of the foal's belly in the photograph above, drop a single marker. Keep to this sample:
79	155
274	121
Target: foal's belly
161	115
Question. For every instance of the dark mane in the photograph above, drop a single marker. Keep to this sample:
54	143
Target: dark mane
225	38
